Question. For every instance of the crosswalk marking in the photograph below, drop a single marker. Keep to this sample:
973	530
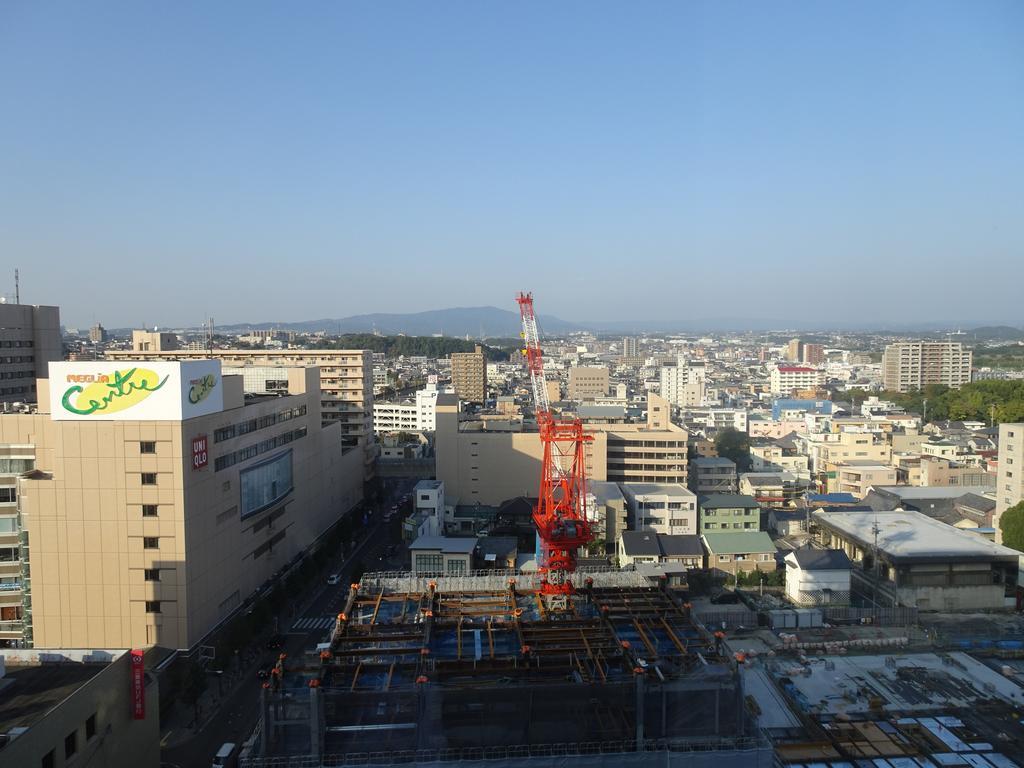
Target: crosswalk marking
314	622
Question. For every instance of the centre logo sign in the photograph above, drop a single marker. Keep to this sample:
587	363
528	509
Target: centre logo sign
116	392
135	391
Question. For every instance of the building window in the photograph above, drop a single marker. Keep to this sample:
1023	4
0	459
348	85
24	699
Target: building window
90	727
152	606
456	566
152	574
151	542
70	745
8	495
147	446
48	760
149	478
150	510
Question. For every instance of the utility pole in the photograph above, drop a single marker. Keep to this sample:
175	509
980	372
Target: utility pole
17	287
992	415
924	415
874	565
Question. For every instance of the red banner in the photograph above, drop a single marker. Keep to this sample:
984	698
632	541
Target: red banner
138	686
200	458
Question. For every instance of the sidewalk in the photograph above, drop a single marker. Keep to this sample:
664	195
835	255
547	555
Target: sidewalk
180	727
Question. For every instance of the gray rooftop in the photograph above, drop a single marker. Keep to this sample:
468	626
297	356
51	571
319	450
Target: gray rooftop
820	559
912	536
713	461
675	490
462	546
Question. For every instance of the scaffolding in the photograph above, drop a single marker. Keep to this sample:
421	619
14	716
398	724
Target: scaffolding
480	662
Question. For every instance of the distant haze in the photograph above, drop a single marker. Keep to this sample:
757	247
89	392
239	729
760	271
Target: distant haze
664	164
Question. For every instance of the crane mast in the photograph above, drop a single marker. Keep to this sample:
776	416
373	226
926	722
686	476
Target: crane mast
560	515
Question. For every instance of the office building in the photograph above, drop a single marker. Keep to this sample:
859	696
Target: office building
98	334
1010	480
346	383
588	382
469	375
813	354
486	464
146	502
630	347
787	378
911	365
29	341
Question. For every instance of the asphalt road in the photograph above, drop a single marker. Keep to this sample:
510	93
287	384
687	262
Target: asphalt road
239	711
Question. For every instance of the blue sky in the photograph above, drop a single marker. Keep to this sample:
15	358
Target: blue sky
162	162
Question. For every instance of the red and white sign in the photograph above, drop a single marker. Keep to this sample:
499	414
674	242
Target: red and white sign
138	686
200	457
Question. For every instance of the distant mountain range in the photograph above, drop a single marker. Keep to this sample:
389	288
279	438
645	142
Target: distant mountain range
477	322
492	322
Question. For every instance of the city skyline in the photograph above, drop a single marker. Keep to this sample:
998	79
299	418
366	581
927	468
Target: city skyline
677	162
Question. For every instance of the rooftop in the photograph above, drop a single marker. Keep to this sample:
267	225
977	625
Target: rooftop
650	544
27	693
445	544
713	461
727	501
674	490
738	543
912	536
820	559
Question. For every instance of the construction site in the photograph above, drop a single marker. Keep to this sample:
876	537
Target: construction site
467	667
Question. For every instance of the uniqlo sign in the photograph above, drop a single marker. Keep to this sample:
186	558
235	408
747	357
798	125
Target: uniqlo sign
200	457
138	696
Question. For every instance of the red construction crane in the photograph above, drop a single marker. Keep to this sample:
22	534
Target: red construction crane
561	511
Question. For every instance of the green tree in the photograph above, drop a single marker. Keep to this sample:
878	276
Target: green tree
734	445
1012	526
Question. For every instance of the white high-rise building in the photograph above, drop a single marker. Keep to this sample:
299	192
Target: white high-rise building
684	384
408	416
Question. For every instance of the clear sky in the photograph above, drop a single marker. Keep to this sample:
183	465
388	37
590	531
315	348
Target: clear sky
164	161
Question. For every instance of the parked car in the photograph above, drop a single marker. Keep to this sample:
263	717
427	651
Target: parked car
333	579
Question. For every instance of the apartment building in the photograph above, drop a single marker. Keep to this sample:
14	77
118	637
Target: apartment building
29	340
1010	477
346	383
856	477
712	474
729	513
667	508
683	385
588	382
813	354
630	346
469	375
483	464
153	341
787	378
911	365
793	349
145	502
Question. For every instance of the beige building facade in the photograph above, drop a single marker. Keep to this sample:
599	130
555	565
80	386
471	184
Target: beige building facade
491	466
1010	477
587	382
346	383
469	375
29	340
152	524
911	365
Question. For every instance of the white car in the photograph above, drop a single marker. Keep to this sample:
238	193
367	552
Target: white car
333	579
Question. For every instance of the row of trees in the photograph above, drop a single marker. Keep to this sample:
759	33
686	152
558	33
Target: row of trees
416	346
978	401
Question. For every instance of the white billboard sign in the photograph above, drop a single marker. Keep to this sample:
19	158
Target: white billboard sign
124	390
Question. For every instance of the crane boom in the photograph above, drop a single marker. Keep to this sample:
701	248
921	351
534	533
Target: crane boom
560	515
